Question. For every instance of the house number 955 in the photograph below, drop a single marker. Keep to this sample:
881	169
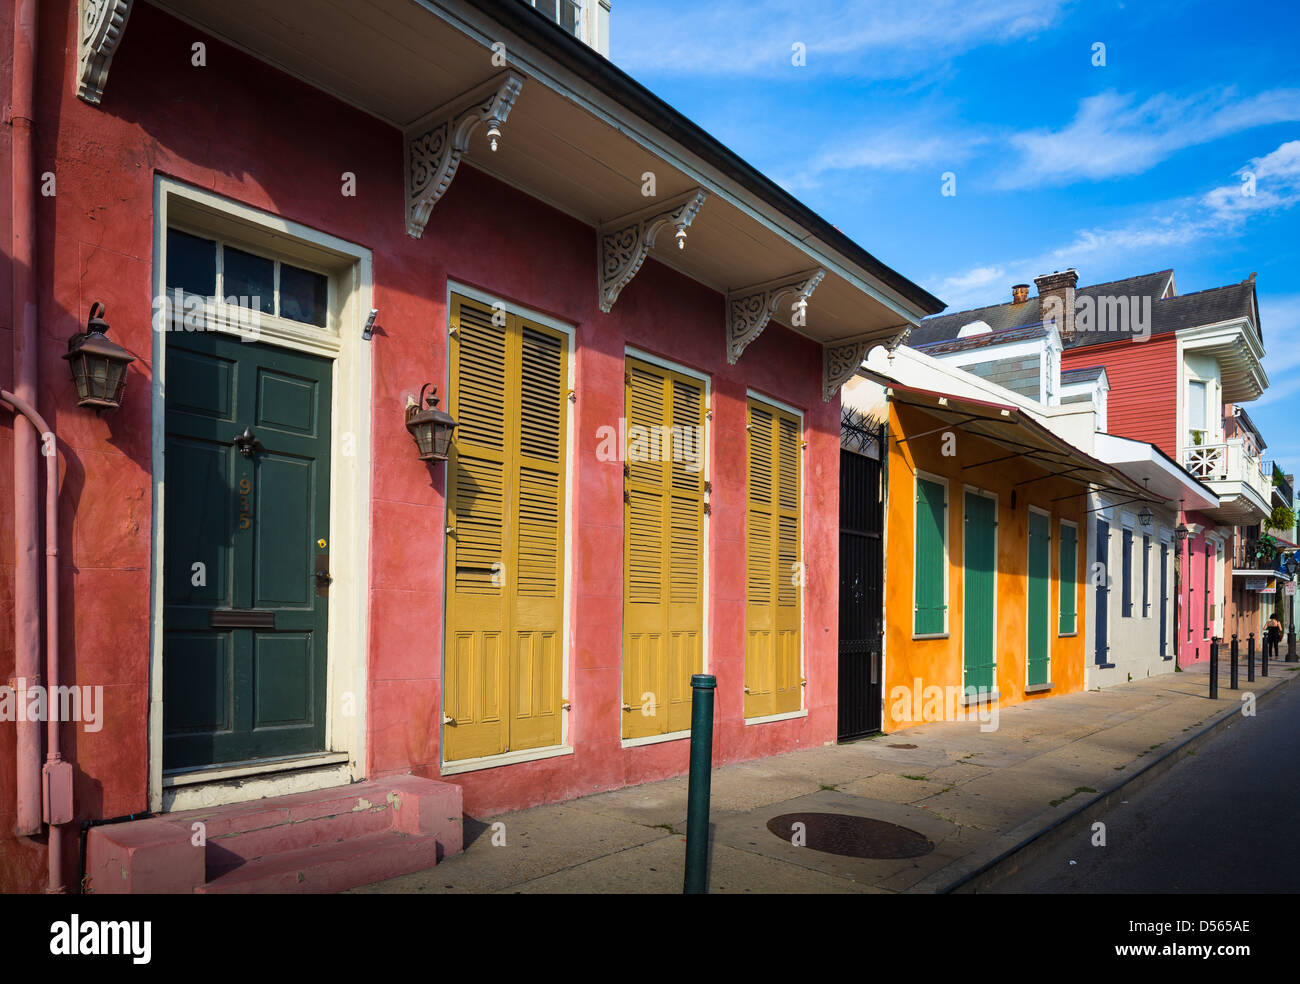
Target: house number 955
245	487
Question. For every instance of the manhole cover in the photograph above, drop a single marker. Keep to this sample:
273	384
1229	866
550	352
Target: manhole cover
850	836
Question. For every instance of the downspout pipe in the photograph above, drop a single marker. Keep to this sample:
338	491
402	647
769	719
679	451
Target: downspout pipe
27	576
57	773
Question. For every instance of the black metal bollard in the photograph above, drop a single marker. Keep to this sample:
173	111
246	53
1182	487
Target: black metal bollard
1214	668
703	686
1291	656
1268	644
1232	652
1250	658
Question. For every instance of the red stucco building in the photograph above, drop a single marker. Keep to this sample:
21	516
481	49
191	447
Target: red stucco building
277	597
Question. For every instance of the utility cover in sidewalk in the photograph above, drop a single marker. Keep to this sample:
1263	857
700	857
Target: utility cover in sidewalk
850	836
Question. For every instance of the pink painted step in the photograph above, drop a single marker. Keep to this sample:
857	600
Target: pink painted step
329	867
320	841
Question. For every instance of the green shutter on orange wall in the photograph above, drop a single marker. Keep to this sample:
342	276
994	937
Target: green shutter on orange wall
505	511
979	576
930	560
773	563
1067	568
663	551
1038	651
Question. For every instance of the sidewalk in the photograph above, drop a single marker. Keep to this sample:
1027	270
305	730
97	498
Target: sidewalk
978	797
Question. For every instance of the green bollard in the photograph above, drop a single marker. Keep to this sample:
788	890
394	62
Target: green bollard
697	801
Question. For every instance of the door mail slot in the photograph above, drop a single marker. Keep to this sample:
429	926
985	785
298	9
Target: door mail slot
242	618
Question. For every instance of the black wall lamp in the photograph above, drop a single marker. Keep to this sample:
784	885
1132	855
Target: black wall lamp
430	427
98	365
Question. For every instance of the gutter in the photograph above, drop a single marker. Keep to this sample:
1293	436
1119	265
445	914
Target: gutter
27	574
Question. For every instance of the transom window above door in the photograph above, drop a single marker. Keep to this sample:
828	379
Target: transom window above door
209	276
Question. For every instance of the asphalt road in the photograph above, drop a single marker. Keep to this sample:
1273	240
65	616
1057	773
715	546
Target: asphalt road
1221	820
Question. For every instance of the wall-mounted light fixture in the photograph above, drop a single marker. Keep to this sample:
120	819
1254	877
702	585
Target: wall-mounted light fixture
430	427
98	365
1145	515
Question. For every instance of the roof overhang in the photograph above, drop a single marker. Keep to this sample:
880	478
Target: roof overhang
1025	439
1155	470
1239	352
582	136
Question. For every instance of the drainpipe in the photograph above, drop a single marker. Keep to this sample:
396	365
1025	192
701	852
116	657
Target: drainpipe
56	776
27	575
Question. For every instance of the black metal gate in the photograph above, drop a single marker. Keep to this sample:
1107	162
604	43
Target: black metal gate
862	512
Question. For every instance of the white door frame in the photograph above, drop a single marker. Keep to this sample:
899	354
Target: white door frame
349	536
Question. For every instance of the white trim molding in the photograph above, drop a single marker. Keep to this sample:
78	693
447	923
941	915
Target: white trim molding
436	142
749	309
625	242
100	27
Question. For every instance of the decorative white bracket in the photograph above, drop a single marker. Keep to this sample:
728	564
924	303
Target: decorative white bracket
436	142
625	242
842	359
749	309
839	363
101	25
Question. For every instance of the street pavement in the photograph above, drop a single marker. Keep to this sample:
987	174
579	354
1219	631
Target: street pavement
977	796
1209	824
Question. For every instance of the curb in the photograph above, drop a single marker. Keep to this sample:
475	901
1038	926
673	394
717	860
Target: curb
1046	838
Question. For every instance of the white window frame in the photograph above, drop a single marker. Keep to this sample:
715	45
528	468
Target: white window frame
706	384
565	746
1073	580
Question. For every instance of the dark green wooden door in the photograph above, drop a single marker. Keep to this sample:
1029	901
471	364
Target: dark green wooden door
979	576
1040	577
244	615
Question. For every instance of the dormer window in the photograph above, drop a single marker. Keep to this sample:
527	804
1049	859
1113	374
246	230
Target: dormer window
566	13
975	328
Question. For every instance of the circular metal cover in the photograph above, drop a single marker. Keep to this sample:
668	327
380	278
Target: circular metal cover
851	836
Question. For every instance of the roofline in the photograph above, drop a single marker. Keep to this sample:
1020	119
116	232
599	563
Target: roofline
592	67
1104	283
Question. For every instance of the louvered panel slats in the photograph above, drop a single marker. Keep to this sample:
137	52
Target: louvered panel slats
479	398
787	560
539	525
758	558
541	395
684	550
478	524
645	568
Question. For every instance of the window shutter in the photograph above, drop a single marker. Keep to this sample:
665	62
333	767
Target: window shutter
1126	573
929	561
1067	573
663	548
505	546
773	563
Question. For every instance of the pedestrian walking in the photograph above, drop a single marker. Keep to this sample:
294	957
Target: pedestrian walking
1273	634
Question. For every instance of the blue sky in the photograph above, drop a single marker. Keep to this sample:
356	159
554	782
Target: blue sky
1115	170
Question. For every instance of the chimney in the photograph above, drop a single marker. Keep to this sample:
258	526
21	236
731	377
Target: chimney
1019	293
1056	300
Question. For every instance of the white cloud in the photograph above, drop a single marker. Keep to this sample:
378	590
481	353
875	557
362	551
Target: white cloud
881	39
1113	135
1161	227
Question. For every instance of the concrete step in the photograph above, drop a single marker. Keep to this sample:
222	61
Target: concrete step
329	867
364	830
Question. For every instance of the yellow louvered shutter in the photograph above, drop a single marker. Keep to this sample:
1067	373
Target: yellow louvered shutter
505	506
773	564
663	548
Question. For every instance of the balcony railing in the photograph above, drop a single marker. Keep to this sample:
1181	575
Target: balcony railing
1231	461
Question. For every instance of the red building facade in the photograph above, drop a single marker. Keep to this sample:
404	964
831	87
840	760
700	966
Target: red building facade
242	154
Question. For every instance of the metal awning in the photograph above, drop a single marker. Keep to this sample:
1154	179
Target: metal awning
1026	441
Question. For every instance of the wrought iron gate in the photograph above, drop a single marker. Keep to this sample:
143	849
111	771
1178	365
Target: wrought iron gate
862	444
